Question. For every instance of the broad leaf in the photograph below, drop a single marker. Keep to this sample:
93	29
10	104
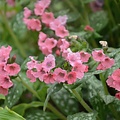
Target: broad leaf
64	102
82	116
98	20
7	114
21	108
14	94
37	114
53	88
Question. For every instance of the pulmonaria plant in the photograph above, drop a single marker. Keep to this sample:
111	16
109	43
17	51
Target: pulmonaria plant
8	68
58	44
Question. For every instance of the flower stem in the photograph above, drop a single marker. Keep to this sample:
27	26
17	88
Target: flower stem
82	102
104	84
50	106
16	41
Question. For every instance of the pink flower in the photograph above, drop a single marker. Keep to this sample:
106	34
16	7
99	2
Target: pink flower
116	75
88	28
5	81
32	24
71	77
61	32
79	68
54	24
98	55
40	6
63	44
60	74
73	58
27	12
50	43
30	75
110	81
2	70
3	91
117	95
39	73
45	50
12	69
113	83
107	63
47	17
84	56
48	63
42	38
49	78
62	19
31	64
5	53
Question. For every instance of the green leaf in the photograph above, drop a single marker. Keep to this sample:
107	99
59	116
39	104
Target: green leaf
18	26
37	114
98	20
21	108
82	116
53	88
64	102
73	16
14	94
7	114
108	99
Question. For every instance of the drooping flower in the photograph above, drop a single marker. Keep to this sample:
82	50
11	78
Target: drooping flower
61	32
49	78
12	69
98	55
32	24
47	17
116	75
40	6
30	75
3	91
84	56
79	68
5	81
27	12
114	83
106	63
73	58
60	74
31	64
2	70
5	53
71	77
48	63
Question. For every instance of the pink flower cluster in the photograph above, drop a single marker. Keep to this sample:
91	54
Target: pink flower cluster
104	61
46	44
6	70
47	72
114	80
